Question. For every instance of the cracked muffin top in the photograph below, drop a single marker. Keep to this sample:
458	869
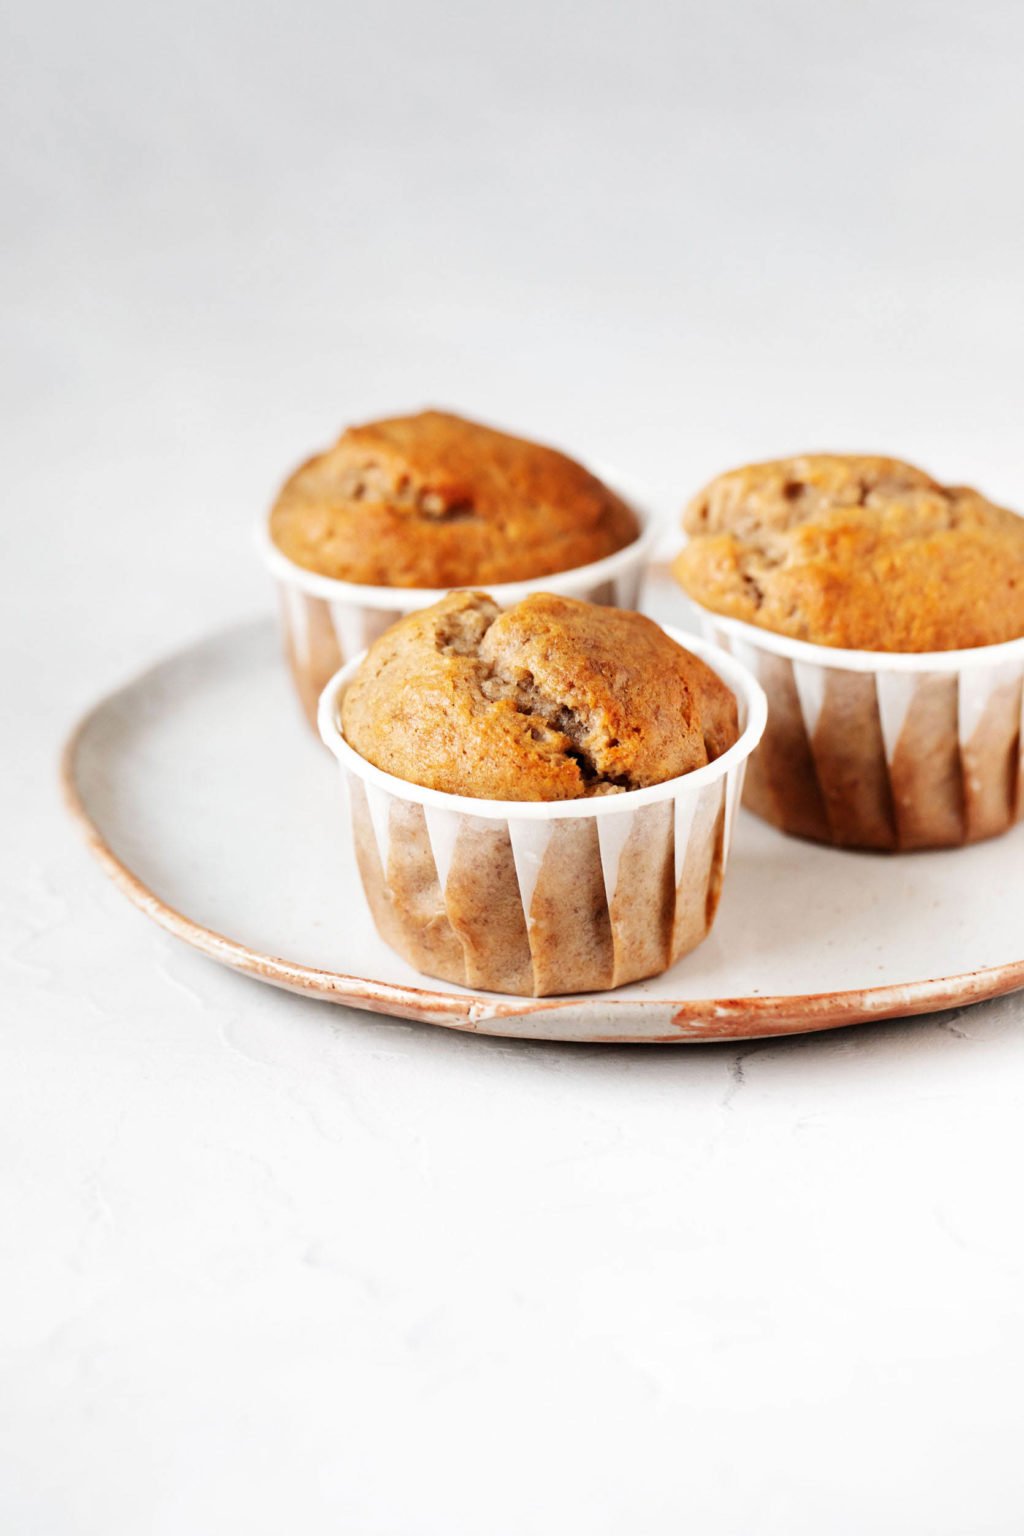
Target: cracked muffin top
552	699
865	553
436	501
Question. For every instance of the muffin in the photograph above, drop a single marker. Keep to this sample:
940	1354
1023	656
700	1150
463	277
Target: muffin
541	797
551	700
884	614
436	501
398	511
864	553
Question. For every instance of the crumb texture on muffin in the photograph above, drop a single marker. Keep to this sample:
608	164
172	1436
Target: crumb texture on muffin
553	699
433	500
861	552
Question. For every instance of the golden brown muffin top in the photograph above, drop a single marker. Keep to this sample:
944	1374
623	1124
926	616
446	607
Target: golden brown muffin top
436	501
856	551
554	699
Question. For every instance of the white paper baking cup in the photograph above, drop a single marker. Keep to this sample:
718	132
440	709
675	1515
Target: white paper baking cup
326	622
540	898
880	749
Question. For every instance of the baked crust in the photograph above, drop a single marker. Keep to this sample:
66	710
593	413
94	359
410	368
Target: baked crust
863	552
436	501
554	699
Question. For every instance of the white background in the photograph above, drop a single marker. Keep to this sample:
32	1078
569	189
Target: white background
271	1267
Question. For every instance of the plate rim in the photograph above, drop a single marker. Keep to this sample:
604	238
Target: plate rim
689	1020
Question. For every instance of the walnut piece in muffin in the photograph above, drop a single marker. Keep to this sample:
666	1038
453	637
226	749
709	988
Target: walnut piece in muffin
862	552
553	699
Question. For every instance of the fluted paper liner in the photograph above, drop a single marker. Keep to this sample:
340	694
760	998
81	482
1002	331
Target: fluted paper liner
534	899
324	623
868	750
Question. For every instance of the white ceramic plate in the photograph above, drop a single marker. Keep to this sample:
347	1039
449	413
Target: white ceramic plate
213	807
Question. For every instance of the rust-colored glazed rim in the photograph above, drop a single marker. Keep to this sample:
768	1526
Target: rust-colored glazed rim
673	1021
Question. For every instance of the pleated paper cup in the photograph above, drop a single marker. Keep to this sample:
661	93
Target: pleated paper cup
880	749
326	622
543	898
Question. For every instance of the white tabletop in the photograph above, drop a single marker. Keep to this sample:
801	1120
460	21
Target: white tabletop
268	1265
